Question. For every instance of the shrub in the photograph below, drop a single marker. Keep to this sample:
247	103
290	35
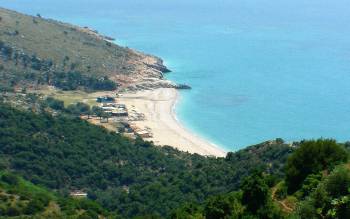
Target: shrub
338	182
54	103
310	184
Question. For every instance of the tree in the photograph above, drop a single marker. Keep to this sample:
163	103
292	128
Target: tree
312	157
79	109
72	109
256	193
98	111
132	177
54	103
83	108
188	211
279	141
224	206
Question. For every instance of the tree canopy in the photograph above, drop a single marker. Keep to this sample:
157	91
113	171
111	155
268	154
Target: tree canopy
311	157
132	177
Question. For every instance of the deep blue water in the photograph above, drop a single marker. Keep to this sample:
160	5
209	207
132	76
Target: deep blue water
259	69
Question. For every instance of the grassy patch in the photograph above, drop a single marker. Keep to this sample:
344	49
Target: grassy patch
71	97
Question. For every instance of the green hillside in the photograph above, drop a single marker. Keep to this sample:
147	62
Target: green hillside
317	185
132	177
21	199
34	48
136	179
47	151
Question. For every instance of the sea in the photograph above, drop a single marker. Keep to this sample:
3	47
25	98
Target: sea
259	69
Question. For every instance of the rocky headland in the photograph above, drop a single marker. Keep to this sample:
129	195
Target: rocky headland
36	45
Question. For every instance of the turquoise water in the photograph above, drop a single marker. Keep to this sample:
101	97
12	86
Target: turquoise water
259	69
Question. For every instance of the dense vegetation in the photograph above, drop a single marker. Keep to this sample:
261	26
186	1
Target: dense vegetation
19	197
330	198
41	72
253	200
54	150
133	177
311	158
74	80
320	190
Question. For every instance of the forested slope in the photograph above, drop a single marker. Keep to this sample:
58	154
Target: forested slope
316	185
132	177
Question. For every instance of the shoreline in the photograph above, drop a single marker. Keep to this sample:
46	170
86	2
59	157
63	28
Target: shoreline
173	114
158	108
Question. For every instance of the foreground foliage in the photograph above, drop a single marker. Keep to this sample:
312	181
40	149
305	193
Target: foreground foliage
312	157
331	197
253	200
324	191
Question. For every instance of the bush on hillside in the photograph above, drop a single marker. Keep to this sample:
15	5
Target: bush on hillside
54	103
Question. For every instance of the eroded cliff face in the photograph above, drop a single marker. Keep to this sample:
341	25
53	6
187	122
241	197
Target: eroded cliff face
147	73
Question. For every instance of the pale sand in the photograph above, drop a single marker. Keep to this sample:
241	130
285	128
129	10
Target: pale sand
158	108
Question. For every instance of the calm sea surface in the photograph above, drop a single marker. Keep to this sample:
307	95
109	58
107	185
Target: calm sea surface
259	69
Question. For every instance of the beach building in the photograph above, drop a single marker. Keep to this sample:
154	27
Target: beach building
116	110
144	134
124	127
78	194
119	112
108	108
113	105
105	99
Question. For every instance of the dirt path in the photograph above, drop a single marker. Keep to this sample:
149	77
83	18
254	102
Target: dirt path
285	207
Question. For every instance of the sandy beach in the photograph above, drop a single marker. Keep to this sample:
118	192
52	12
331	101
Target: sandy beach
159	117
